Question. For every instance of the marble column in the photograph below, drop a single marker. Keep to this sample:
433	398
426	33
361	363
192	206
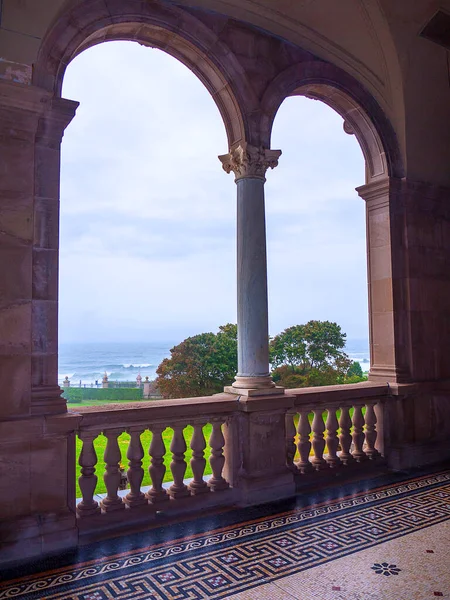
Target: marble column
249	164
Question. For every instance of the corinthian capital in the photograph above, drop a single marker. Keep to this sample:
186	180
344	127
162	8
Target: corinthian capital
249	161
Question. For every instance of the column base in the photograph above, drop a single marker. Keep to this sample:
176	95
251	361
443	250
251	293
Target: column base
389	373
47	399
412	455
35	536
258	490
269	391
246	385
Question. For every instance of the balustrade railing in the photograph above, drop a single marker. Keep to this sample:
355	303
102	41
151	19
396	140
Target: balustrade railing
237	450
173	418
327	431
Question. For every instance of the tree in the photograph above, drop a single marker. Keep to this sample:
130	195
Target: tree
354	374
324	343
290	377
355	370
201	365
289	348
309	355
312	346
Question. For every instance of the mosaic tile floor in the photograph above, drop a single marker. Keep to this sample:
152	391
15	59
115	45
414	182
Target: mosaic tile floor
390	542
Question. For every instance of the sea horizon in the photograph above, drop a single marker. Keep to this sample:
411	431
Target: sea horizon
85	363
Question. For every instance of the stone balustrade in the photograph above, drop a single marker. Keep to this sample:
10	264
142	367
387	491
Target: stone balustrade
157	496
113	508
259	449
331	429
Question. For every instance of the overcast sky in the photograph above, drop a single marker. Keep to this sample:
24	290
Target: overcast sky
148	215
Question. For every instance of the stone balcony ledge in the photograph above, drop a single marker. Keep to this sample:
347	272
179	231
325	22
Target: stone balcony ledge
223	404
339	393
107	416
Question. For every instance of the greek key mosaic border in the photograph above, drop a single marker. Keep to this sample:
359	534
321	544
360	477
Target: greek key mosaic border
243	556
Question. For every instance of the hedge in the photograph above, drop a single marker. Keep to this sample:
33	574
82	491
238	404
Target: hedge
74	395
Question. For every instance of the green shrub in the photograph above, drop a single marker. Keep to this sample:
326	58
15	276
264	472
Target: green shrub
75	395
72	400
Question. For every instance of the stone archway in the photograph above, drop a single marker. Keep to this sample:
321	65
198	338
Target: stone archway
79	26
361	113
166	27
388	329
248	95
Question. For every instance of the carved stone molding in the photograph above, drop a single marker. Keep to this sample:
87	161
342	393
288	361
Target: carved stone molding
249	161
348	128
54	121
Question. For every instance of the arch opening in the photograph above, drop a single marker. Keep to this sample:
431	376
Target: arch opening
129	192
317	240
364	118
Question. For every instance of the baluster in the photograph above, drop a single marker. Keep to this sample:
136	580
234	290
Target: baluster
198	461
157	468
217	459
88	478
318	441
178	465
379	414
290	441
345	437
371	432
332	440
112	474
135	473
304	444
358	434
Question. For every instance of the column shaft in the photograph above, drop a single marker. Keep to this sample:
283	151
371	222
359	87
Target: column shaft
249	165
252	309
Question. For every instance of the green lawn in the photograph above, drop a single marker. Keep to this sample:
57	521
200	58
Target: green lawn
146	438
74	405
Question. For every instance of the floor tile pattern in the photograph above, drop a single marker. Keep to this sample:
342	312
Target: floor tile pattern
255	559
422	576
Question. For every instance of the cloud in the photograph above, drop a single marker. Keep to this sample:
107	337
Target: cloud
153	238
148	215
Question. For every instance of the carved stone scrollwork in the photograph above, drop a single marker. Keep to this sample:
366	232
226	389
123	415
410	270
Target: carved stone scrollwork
249	161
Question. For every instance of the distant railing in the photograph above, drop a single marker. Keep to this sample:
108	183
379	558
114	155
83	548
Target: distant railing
98	384
110	391
123	384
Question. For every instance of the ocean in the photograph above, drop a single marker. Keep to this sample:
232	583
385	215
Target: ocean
85	364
